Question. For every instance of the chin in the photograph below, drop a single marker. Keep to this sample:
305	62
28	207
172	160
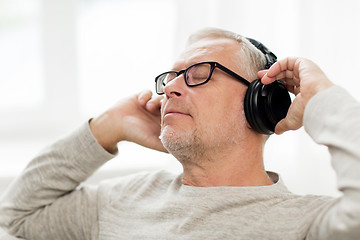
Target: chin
175	140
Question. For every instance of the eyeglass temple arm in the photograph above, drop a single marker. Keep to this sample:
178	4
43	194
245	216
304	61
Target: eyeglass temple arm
231	73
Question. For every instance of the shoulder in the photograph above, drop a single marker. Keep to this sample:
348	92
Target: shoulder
300	205
303	208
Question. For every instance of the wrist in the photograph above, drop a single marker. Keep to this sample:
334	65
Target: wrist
105	132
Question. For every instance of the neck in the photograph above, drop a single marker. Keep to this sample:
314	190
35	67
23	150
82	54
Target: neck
239	167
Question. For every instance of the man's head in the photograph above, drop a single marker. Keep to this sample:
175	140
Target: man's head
255	60
200	122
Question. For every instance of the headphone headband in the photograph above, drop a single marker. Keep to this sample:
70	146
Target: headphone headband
269	56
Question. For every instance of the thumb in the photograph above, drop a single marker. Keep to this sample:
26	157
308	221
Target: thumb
290	122
294	116
159	146
281	127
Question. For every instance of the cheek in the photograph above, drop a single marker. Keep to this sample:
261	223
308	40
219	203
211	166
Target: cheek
222	110
219	103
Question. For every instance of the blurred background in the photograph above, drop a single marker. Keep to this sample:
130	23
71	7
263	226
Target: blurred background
65	61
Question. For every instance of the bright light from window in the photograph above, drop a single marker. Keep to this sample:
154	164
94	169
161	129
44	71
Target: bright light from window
122	45
21	82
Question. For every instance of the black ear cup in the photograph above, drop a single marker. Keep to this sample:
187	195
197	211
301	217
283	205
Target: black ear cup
266	105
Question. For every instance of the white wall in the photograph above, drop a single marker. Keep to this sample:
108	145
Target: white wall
65	61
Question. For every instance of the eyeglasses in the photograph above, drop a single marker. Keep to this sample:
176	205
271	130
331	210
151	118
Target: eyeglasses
195	75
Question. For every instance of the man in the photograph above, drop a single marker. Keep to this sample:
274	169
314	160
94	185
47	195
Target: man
224	191
5	236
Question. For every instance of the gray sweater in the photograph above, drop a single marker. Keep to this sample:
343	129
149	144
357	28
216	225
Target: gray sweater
46	202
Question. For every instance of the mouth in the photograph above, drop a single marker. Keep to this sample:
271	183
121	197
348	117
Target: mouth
175	112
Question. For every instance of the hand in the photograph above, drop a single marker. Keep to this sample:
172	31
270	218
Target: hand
135	119
303	78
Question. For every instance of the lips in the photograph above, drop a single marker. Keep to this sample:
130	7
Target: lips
175	111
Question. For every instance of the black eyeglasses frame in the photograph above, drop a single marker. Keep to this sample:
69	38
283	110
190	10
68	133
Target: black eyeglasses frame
213	65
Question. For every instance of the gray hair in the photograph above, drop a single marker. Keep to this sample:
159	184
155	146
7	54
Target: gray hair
254	56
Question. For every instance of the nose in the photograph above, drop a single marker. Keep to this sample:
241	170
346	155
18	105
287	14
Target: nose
176	87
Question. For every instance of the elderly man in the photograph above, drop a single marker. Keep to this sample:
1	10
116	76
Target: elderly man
224	191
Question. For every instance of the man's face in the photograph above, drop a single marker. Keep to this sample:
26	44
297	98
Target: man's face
210	116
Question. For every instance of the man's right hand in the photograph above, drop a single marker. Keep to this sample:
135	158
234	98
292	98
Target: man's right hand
135	119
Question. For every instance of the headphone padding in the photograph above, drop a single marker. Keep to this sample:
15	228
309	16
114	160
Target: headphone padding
266	105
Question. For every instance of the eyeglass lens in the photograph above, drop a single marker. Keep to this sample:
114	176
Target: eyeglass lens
198	74
194	75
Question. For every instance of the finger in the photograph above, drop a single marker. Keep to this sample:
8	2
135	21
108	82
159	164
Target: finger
267	80
282	70
271	74
154	104
286	125
144	97
282	65
293	119
281	127
159	147
285	76
261	73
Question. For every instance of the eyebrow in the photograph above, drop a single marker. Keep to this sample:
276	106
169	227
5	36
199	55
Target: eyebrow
188	64
175	68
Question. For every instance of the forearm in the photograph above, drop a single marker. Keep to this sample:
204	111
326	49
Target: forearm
332	119
31	202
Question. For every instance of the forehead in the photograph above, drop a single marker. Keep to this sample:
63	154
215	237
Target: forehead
222	50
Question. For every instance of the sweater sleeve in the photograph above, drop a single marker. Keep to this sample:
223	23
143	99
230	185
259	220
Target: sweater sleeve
45	202
332	118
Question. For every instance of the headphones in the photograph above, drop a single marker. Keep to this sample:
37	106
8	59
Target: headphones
266	105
